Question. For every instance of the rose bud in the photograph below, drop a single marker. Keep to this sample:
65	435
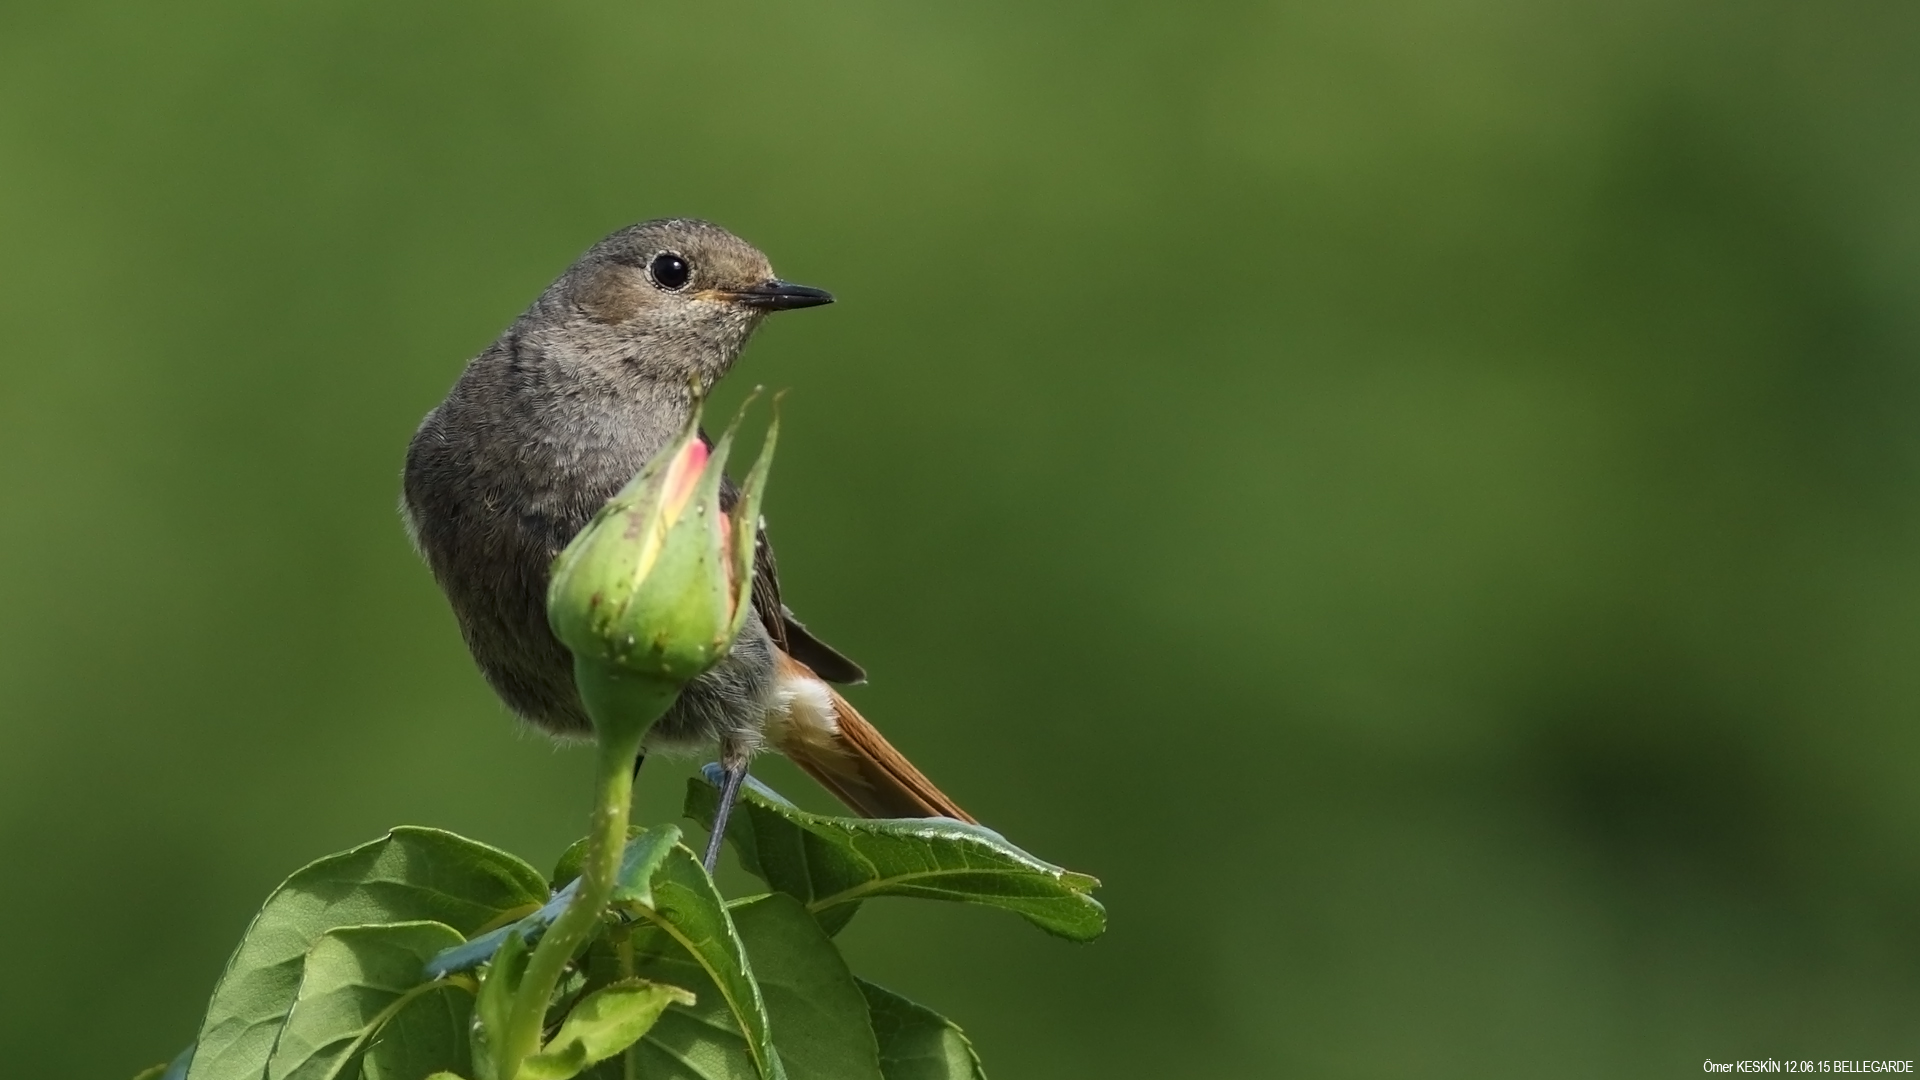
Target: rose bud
659	582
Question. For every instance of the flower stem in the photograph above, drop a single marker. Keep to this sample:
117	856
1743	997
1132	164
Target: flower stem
623	707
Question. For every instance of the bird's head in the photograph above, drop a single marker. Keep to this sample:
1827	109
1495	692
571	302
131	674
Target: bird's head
670	298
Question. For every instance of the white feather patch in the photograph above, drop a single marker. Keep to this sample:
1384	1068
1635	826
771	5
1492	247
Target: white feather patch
803	713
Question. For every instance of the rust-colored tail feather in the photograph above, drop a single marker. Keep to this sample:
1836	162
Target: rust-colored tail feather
849	756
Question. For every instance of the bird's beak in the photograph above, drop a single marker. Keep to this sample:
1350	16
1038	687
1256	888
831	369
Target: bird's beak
778	295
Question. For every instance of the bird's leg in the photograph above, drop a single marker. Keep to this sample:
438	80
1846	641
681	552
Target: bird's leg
733	769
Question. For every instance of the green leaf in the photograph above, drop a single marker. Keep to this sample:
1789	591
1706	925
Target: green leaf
606	1022
411	874
819	1018
688	939
643	858
830	864
431	1032
917	1043
356	979
821	1026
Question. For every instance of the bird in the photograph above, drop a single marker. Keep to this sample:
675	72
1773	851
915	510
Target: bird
555	416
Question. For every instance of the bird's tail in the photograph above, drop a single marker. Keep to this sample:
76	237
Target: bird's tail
817	730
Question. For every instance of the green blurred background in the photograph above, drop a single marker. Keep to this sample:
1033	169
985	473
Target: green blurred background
1419	497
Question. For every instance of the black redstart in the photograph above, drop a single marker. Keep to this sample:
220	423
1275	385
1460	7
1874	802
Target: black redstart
548	423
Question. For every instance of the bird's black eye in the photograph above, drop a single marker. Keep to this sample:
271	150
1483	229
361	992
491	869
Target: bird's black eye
670	271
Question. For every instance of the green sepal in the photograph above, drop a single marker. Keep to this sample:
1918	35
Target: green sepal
745	516
647	847
494	1005
603	1024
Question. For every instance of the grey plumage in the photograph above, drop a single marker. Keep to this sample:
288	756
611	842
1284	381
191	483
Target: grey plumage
550	420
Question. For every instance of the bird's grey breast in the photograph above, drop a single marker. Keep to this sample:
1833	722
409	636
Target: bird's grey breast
539	447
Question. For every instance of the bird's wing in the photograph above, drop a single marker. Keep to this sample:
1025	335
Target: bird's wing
788	632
